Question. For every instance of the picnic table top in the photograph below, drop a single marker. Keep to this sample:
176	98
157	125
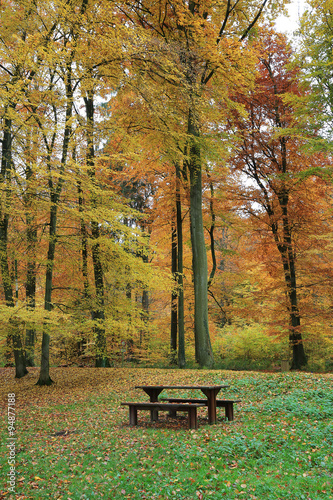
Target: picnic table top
181	386
161	404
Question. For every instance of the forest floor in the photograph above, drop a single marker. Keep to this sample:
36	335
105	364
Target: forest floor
73	441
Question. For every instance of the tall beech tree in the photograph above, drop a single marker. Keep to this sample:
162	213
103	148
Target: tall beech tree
98	310
272	159
75	70
29	201
197	48
33	74
100	67
56	129
55	189
180	270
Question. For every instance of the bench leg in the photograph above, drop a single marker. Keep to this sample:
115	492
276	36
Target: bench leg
133	416
172	414
192	418
229	411
153	415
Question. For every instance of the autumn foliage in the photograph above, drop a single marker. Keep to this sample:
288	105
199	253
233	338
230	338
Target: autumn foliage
157	186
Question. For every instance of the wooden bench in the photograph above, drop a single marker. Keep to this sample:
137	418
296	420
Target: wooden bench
154	408
228	404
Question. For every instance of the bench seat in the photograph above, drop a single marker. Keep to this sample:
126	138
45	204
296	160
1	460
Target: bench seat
190	408
227	404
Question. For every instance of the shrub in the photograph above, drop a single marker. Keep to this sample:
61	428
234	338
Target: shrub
251	345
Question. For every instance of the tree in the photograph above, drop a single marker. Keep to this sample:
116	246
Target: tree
272	159
190	51
55	193
60	88
29	202
180	271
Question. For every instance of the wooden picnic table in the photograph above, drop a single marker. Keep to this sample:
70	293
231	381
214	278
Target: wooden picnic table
210	391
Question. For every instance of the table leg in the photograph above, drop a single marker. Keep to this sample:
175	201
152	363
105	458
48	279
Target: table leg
211	403
153	415
153	396
192	418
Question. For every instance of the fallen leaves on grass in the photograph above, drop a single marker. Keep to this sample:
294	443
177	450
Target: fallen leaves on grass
74	436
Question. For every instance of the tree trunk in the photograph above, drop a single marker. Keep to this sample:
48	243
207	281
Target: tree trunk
203	349
181	324
288	260
19	355
30	334
5	179
174	296
97	313
299	359
211	234
84	245
30	287
145	298
98	316
84	255
44	375
145	292
295	337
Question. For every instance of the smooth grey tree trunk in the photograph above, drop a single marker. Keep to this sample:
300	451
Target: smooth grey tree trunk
30	286
203	348
44	374
97	313
84	256
180	271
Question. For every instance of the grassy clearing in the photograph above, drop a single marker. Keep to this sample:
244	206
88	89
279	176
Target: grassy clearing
74	442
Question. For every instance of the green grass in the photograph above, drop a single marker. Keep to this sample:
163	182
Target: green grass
280	445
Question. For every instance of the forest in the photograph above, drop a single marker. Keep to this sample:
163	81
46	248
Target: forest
166	184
